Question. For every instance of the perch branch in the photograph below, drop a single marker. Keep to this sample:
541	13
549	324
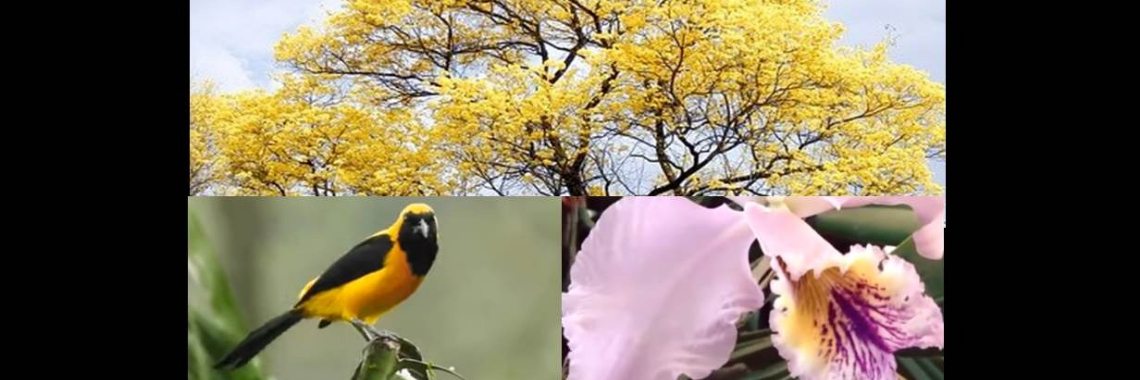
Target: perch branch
387	353
379	360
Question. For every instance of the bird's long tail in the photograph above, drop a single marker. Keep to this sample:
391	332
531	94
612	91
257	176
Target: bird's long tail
258	339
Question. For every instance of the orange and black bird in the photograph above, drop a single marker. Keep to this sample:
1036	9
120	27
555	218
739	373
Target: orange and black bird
366	282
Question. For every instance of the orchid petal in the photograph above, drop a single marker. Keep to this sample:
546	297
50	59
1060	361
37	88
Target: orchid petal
782	233
656	291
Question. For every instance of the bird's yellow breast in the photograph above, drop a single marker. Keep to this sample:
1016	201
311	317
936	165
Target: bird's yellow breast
367	297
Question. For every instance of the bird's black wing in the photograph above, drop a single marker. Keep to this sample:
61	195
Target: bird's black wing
364	258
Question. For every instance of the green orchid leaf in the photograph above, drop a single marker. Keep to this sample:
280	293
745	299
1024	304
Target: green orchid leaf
919	369
878	225
778	370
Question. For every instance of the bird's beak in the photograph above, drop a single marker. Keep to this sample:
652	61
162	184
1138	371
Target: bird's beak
422	228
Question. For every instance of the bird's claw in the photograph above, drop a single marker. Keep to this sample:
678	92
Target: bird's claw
371	333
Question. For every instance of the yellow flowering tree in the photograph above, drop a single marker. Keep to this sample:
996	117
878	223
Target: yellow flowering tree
204	160
579	97
308	138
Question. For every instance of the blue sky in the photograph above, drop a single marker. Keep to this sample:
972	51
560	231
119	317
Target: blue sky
231	41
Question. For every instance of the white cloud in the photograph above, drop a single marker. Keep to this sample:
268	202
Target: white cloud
231	42
213	62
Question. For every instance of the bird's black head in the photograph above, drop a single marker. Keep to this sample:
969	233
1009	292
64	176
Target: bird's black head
417	236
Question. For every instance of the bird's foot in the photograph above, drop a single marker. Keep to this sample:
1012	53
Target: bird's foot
364	330
371	333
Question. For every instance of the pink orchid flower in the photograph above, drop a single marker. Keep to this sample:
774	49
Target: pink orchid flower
660	283
656	291
840	316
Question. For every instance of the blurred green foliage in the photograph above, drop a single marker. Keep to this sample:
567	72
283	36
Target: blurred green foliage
214	325
490	307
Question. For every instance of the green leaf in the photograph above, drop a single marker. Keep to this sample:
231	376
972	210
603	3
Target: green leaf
214	324
746	336
778	370
879	225
408	350
754	349
198	359
911	370
747	348
928	366
412	360
434	368
919	369
208	274
940	362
